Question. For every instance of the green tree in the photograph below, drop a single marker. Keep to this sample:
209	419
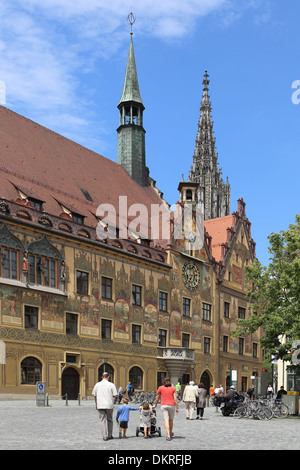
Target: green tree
275	295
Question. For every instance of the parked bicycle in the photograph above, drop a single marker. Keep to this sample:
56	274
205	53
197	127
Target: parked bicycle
263	408
254	409
280	409
140	397
277	406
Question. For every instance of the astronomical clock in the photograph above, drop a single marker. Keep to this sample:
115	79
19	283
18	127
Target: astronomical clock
190	275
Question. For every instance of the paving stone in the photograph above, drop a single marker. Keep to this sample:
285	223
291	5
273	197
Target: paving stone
24	426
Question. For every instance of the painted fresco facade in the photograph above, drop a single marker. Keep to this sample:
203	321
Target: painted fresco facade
91	316
73	305
240	353
49	339
67	321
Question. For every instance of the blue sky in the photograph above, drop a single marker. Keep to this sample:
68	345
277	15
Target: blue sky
62	64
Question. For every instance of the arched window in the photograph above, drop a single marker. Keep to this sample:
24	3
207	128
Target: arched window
10	260
10	254
106	368
136	377
44	261
31	371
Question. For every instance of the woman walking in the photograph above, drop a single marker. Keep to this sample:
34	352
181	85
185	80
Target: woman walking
201	401
169	402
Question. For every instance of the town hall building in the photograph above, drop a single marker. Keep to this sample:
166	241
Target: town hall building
78	298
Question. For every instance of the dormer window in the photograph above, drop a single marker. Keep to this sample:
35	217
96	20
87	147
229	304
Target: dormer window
79	219
86	195
36	203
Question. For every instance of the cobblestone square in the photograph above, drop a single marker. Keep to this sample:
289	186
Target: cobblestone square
24	426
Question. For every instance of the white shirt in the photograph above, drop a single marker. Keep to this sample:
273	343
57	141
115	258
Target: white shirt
105	392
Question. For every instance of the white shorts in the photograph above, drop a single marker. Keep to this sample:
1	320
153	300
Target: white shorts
168	411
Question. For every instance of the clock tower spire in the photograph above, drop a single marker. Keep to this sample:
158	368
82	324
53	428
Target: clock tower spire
131	133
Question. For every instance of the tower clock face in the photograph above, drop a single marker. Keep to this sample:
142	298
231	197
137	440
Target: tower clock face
190	275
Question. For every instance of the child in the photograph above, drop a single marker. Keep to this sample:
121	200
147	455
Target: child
146	415
123	413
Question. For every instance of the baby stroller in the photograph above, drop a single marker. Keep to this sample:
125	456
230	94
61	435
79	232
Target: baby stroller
154	429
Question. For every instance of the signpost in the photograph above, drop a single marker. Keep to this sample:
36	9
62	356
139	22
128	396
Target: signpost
233	378
41	393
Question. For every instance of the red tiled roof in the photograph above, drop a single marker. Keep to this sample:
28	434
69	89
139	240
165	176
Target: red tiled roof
51	168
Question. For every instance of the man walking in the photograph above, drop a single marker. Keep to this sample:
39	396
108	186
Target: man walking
189	398
104	393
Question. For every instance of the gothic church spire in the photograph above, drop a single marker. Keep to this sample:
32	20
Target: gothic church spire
213	195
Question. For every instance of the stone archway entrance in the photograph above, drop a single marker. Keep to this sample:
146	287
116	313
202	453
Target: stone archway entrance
206	380
70	383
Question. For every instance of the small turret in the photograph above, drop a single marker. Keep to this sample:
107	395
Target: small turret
131	133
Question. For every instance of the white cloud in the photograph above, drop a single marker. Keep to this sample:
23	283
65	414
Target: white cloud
46	45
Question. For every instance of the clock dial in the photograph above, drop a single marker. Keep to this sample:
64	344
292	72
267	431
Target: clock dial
190	275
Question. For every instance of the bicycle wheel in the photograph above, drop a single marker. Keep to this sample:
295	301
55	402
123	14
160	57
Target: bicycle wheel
265	413
281	411
240	412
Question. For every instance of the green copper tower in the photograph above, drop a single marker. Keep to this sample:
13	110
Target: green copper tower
131	134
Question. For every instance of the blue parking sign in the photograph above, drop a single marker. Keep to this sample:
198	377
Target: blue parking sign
40	393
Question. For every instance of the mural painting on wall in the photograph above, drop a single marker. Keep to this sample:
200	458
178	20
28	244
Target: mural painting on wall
196	327
202	254
52	311
175	262
248	344
89	316
11	302
237	274
122	318
95	294
150	322
206	279
175	328
233	340
179	241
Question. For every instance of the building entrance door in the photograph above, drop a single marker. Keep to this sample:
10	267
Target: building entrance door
70	383
205	379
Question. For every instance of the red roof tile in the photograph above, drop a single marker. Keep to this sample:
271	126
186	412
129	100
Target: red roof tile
50	167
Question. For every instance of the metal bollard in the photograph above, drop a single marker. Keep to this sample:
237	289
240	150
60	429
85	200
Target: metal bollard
66	399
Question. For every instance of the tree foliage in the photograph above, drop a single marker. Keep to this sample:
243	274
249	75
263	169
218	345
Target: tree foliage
275	295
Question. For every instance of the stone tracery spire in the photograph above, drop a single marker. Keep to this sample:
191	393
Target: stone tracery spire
213	195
